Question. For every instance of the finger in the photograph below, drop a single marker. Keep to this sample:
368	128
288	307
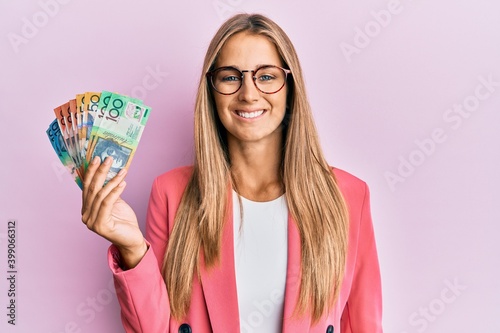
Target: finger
117	178
87	178
106	208
95	211
95	185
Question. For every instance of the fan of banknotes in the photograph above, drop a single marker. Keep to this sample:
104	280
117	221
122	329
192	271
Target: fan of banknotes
97	124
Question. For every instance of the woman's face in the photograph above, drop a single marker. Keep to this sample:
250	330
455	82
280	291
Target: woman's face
250	115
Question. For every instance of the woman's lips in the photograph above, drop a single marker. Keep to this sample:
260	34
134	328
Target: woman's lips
249	114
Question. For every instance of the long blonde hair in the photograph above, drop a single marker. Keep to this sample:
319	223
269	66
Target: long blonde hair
313	197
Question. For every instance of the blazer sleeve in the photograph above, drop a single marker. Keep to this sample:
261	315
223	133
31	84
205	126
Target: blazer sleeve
141	291
363	311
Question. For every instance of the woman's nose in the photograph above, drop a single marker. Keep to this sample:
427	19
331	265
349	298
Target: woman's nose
248	91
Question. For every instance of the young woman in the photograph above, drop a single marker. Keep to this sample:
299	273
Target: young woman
261	234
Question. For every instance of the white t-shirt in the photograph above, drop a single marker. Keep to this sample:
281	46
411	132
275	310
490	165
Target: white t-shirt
260	255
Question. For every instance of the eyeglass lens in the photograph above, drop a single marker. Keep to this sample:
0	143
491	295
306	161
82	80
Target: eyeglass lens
267	79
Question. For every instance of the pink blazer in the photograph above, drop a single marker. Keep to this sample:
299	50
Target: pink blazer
143	296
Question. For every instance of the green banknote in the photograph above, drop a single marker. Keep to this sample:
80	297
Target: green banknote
97	124
118	132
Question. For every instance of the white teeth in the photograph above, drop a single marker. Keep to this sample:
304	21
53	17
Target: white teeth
249	115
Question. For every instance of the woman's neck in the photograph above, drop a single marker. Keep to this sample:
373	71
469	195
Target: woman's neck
255	167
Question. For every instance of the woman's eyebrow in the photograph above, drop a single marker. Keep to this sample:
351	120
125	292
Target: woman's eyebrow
257	66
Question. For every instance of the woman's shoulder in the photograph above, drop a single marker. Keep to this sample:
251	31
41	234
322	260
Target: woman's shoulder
176	178
352	187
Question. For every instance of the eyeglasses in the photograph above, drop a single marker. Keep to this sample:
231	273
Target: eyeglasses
267	79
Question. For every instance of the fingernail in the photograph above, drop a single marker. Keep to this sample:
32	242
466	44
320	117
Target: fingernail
122	172
108	160
95	160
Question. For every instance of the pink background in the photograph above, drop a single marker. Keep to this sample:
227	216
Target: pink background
436	226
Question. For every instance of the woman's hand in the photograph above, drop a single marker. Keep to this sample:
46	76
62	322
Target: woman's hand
105	213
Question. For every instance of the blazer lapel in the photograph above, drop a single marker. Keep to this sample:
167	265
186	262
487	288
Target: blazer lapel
293	324
219	282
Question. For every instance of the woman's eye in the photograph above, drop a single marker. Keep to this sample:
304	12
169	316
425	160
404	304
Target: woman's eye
266	77
231	78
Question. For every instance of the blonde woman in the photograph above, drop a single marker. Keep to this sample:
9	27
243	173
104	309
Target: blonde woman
260	234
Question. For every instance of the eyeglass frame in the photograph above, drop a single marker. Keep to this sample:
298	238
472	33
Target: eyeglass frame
209	76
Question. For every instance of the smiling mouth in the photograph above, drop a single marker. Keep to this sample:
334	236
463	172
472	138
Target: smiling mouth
250	115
